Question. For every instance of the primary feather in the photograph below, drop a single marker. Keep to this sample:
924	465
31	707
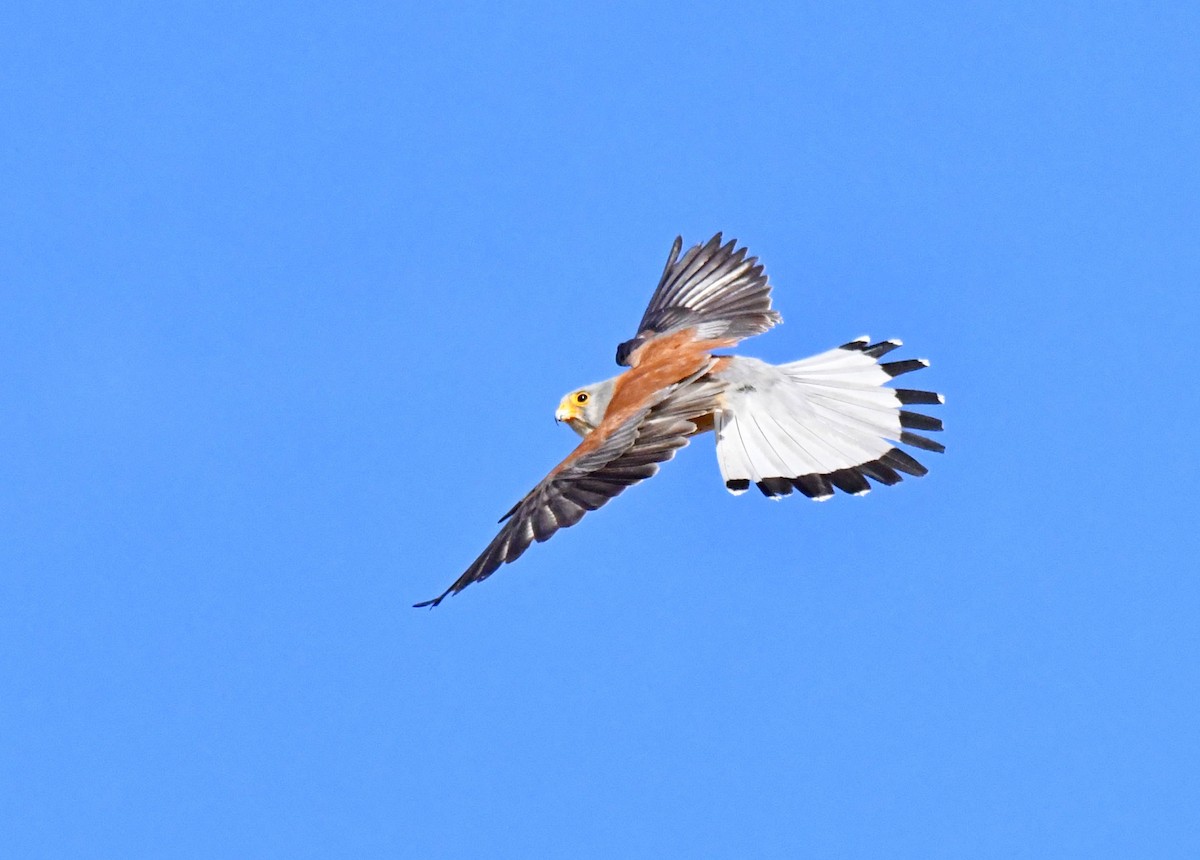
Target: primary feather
714	288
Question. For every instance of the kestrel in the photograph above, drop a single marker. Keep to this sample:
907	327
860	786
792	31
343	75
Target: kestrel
812	425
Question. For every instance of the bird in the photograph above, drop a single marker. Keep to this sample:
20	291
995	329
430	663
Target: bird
822	423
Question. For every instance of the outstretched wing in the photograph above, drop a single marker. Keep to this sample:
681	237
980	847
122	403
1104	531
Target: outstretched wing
604	464
720	292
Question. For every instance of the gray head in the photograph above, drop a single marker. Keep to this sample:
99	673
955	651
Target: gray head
583	409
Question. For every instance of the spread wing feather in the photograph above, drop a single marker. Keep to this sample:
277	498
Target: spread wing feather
717	289
628	454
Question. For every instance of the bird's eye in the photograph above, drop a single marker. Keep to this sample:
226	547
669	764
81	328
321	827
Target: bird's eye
581	397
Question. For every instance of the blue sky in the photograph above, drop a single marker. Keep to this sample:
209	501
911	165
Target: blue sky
290	295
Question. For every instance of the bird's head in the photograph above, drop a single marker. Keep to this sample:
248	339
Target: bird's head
583	409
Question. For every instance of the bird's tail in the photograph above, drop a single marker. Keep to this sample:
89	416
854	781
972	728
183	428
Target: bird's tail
822	422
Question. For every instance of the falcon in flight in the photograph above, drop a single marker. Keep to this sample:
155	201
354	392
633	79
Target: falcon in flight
813	425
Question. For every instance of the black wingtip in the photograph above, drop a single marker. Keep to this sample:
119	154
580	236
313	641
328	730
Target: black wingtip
877	350
773	487
903	462
895	368
911	397
917	421
850	480
676	247
434	602
511	511
919	441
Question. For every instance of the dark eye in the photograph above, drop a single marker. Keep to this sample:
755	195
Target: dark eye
581	397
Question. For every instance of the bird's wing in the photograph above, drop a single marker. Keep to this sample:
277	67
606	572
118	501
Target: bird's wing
718	291
613	457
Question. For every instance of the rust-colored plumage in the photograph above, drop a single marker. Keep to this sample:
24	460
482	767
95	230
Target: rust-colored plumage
656	365
707	300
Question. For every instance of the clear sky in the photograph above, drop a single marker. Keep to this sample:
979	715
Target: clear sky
290	293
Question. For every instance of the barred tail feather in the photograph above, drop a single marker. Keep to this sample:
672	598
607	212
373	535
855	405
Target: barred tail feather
820	423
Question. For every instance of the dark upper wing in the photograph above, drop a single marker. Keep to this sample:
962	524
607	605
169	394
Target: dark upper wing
592	475
712	286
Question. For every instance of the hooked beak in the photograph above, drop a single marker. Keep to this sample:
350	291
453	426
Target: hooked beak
566	411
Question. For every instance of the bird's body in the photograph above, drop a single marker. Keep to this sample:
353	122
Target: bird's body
812	425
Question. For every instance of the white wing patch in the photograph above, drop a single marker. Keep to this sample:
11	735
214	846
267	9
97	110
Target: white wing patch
823	422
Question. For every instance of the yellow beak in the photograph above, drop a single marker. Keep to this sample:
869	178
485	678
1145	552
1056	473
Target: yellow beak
566	410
